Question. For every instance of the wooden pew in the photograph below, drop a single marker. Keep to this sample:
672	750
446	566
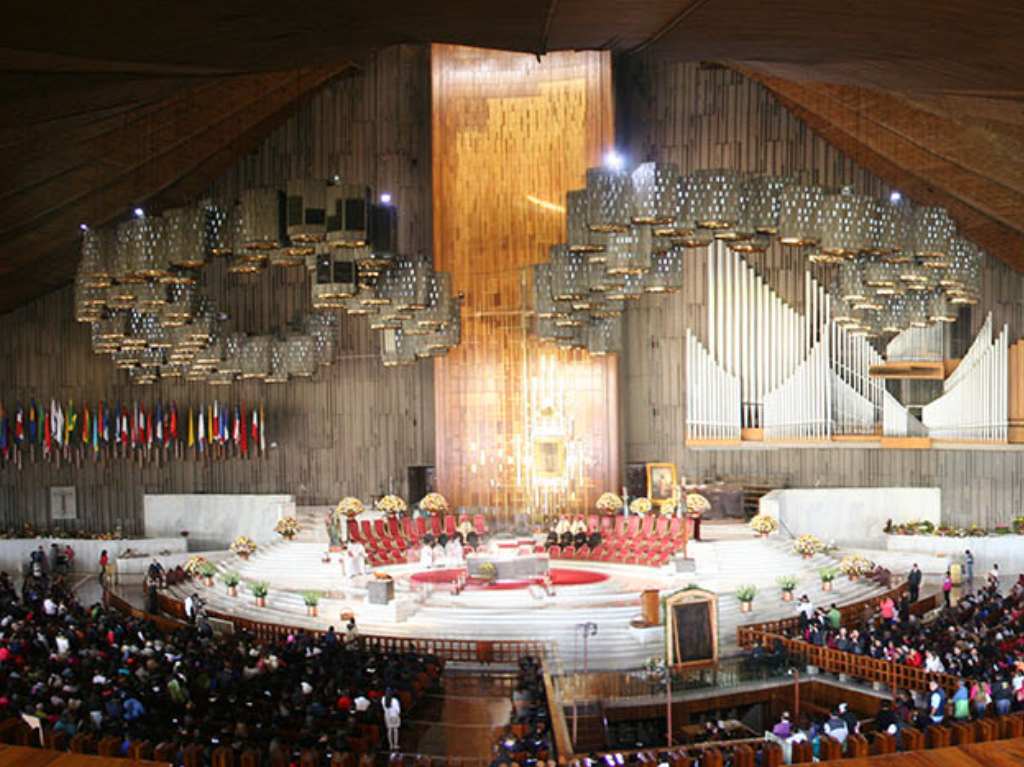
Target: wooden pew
938	736
857	746
882	743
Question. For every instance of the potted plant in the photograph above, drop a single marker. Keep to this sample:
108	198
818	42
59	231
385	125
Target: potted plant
787	583
434	503
287	527
488	572
808	545
746	594
764	525
828	574
609	503
259	590
1018	525
207	570
312	599
231	580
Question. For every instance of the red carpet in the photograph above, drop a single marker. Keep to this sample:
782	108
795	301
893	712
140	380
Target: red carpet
559	577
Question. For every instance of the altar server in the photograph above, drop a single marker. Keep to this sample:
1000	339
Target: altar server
465	528
453	553
439	554
347	562
426	555
358	558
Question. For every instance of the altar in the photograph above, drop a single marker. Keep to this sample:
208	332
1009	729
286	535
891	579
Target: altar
509	566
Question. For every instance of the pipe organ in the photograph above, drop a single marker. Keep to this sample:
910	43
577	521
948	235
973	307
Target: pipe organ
898	421
799	375
917	344
973	405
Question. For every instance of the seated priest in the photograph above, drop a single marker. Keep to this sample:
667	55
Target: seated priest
426	554
552	539
594	539
439	552
563	526
473	539
465	528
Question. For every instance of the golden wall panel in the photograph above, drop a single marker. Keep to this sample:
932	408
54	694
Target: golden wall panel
511	132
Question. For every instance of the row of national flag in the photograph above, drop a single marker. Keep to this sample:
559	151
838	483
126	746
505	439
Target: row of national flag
72	431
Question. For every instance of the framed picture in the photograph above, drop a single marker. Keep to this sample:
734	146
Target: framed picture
691	629
661	482
549	458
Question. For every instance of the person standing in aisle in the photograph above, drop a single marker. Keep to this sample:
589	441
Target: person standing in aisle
969	567
392	717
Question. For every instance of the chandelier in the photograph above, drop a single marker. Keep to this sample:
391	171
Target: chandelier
140	285
899	266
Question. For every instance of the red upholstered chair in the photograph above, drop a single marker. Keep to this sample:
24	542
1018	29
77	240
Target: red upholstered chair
607	526
421	527
379	530
409	531
675	530
555	552
633	526
435	525
661	528
538	549
470	550
647	526
593	523
569	552
620	528
394	527
583	552
353	531
480	524
449	525
367	530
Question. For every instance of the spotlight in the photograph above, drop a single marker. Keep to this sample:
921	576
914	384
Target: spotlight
83	227
895	197
613	160
139	213
385	199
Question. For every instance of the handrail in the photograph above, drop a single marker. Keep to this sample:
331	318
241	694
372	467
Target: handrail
847	612
465	650
896	675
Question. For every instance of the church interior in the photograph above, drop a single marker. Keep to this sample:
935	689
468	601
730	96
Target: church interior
551	385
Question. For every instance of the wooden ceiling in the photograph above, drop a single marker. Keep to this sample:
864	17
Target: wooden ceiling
111	104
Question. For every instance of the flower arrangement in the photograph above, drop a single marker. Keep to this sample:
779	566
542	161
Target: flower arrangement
287	527
762	524
827	575
668	507
260	590
640	506
207	569
434	503
1018	525
808	545
609	503
311	600
243	546
697	504
193	567
855	565
391	504
488	571
349	507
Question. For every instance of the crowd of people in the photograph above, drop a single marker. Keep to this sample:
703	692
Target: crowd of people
85	669
527	738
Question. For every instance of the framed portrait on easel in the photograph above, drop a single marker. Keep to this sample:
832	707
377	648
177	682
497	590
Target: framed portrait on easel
691	628
661	482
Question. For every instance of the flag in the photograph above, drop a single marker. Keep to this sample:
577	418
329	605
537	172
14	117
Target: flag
3	429
86	426
215	422
126	430
33	422
47	431
201	430
254	435
263	426
57	413
225	425
70	422
191	429
244	446
237	431
19	425
105	419
173	422
96	430
158	424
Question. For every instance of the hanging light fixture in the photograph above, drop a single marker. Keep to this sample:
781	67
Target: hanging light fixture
186	230
604	337
94	270
850	288
300	355
306	210
800	215
842	312
259	214
348	210
334	278
888	225
610	200
569	274
762	203
845	224
625	255
714	200
666	273
932	233
579	236
940	309
656	195
543	302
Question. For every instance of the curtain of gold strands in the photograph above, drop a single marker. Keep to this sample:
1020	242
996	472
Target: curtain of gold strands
511	136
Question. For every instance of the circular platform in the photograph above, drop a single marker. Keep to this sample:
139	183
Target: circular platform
559	577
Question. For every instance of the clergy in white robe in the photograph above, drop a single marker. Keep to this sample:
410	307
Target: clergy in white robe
563	526
358	552
439	555
348	562
426	556
453	553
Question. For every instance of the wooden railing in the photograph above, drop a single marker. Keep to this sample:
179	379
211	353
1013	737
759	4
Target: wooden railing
464	650
849	614
898	676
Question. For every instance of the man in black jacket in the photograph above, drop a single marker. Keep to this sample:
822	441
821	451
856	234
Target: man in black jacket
914	583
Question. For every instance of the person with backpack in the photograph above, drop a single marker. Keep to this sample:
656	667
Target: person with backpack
936	703
981	696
